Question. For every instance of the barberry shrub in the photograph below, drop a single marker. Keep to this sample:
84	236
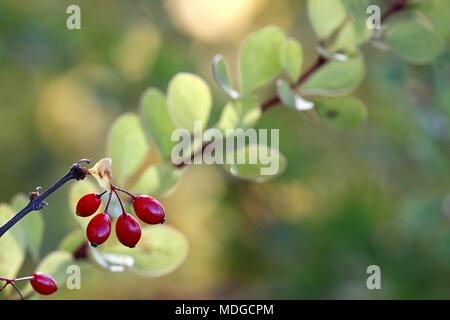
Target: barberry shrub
269	61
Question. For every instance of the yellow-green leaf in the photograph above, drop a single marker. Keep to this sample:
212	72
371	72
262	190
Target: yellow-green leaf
157	120
189	100
341	112
259	60
291	57
127	146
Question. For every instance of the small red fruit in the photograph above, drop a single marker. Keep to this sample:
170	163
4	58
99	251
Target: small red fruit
43	283
98	229
148	209
128	230
88	204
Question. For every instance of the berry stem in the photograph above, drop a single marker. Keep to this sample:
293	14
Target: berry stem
24	278
11	282
132	195
18	291
120	202
101	194
109	200
3	287
76	172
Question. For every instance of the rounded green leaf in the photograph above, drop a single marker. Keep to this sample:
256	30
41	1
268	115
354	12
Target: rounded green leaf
158	180
157	120
437	12
414	41
259	60
18	232
72	241
254	167
189	100
335	78
76	191
161	250
11	256
291	57
243	113
220	72
326	16
32	225
341	112
54	264
127	146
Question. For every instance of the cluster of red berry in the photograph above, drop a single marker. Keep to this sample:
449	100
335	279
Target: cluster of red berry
42	283
128	229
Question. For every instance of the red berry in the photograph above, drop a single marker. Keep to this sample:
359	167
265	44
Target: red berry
88	204
148	209
98	229
43	283
128	230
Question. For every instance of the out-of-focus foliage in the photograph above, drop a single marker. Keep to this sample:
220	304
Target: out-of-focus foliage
377	194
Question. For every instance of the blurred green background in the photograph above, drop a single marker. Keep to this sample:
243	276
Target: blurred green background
378	194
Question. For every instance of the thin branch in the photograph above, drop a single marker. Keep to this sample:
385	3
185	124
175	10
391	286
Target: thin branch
305	76
76	172
109	201
4	286
18	291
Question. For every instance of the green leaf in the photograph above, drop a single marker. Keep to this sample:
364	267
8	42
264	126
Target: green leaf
254	167
158	180
341	22
6	213
355	32
54	264
291	57
72	241
335	78
11	256
220	72
157	120
259	58
290	98
160	251
243	113
326	16
32	226
127	146
76	191
437	12
189	100
341	112
414	41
